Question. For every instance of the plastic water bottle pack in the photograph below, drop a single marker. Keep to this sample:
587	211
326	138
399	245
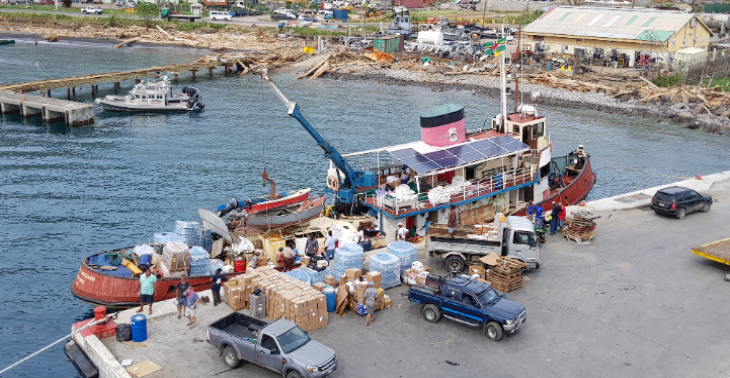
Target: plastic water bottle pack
190	231
216	264
346	257
389	266
199	262
407	252
168	237
299	275
315	276
206	239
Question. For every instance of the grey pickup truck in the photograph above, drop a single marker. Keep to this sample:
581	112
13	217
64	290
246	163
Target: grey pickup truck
280	346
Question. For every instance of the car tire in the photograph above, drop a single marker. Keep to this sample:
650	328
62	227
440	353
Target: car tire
431	313
455	263
293	374
494	331
230	358
705	207
681	213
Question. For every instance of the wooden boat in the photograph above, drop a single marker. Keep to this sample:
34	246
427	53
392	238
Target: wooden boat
300	212
103	288
7	42
264	203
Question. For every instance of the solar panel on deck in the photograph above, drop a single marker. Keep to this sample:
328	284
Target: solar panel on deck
425	167
413	160
438	155
492	150
471	156
449	161
459	150
503	139
481	144
403	153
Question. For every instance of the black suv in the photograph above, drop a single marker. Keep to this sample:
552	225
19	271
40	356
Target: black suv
679	202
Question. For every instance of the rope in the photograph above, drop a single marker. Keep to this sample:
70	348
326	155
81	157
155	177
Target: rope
54	343
641	170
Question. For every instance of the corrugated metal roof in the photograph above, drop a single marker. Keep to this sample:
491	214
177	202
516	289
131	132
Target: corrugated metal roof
641	24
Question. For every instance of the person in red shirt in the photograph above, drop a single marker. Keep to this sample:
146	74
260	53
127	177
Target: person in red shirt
561	217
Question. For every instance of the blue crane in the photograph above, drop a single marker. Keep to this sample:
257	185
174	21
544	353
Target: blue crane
353	178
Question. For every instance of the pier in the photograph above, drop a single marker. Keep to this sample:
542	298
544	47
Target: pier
51	109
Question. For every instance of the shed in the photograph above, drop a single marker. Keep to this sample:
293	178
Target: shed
339	14
196	8
388	44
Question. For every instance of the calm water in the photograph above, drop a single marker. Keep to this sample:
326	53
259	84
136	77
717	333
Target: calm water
66	193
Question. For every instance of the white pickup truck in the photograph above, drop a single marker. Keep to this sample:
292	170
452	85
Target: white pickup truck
92	10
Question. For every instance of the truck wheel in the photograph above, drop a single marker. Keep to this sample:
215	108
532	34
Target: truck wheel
681	213
494	331
431	313
293	374
706	207
230	358
455	263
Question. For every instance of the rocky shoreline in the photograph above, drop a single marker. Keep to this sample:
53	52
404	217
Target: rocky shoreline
692	115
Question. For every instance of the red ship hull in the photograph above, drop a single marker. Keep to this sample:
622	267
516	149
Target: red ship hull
576	190
285	201
101	289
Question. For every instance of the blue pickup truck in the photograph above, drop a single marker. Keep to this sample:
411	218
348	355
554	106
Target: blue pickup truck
468	302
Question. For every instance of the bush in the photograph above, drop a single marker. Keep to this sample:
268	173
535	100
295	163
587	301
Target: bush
668	81
148	11
67	3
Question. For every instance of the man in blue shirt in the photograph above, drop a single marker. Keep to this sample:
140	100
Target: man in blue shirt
146	289
193	300
538	213
217	279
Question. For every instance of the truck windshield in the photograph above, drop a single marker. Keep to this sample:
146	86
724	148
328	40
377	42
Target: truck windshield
524	237
292	340
487	296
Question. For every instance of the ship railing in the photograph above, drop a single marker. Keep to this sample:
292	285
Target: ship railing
446	195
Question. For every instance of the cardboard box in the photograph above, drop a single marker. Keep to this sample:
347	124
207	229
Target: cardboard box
353	273
321	302
305	260
319	286
330	280
375	277
387	302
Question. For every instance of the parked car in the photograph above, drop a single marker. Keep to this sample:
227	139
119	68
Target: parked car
240	13
281	10
220	16
47	2
678	201
468	302
306	19
280	346
325	15
283	16
120	3
255	12
92	10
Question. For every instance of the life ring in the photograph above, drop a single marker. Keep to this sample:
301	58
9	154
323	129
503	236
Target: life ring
333	183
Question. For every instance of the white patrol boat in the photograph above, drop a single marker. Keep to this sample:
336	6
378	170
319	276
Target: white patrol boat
154	96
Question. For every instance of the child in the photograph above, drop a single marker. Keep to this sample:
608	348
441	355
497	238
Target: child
193	300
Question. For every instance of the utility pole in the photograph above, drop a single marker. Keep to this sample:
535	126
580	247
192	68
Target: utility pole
484	14
519	51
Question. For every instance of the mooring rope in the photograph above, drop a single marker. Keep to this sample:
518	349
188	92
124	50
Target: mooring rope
54	343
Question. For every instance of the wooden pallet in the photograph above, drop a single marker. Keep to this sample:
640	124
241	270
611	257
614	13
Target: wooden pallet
507	265
239	306
495	274
506	287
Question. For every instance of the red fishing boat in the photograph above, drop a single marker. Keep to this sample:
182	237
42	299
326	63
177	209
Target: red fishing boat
264	203
108	288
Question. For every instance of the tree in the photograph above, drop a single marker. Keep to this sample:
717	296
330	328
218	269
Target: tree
67	3
148	11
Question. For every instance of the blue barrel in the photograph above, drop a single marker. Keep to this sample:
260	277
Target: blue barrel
329	293
139	328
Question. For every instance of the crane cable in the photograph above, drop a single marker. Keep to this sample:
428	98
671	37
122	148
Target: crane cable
106	318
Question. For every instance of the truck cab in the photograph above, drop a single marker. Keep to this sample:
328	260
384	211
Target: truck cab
471	303
516	239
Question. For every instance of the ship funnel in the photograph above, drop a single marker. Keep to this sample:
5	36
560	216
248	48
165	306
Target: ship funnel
443	125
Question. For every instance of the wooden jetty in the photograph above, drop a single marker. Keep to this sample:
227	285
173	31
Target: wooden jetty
51	109
71	83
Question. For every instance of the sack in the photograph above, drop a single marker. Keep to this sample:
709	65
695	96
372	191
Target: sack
124	332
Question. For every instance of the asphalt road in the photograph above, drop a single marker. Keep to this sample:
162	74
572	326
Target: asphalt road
634	303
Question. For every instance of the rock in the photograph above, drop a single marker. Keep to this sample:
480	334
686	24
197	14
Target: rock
697	110
685	115
725	114
433	70
664	109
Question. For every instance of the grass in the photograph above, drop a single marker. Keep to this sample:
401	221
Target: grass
668	81
507	17
723	82
61	8
313	31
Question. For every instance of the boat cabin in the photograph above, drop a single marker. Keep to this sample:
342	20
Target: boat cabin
153	93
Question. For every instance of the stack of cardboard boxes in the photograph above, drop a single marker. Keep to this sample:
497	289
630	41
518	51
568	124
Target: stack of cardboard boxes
286	297
356	289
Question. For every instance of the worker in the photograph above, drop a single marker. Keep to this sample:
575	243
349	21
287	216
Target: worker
215	288
182	287
360	234
312	245
554	217
146	289
453	221
288	256
193	300
425	227
330	244
255	260
402	231
371	293
405	176
561	217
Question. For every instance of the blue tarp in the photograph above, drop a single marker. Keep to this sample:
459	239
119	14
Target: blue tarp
102	260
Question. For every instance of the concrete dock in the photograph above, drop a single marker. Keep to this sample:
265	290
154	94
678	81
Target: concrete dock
635	302
51	109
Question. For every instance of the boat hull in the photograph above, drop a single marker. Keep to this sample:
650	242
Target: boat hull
299	196
308	214
574	192
121	107
100	289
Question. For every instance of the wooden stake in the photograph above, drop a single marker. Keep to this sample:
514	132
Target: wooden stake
68	93
210	70
194	74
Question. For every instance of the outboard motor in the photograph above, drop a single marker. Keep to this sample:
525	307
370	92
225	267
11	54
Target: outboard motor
227	208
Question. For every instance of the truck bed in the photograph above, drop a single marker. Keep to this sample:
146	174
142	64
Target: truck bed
465	241
716	251
239	325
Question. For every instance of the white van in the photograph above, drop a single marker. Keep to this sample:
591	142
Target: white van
325	15
220	16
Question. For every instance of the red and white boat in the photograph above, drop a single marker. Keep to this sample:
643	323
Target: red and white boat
264	203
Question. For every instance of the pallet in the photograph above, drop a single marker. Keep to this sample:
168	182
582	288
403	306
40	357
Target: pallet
239	306
508	287
497	275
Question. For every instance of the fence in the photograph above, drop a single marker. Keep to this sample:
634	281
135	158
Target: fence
716	68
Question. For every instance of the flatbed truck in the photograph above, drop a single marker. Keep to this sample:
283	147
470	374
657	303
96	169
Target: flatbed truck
718	251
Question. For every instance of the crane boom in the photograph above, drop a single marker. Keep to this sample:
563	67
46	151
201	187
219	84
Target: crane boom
352	177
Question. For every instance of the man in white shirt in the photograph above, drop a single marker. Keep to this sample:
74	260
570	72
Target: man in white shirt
402	232
360	234
329	247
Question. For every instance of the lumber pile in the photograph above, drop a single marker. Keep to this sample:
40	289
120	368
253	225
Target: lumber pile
709	97
506	275
335	60
580	227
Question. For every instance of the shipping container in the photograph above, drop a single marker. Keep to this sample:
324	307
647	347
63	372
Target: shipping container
390	44
339	14
409	3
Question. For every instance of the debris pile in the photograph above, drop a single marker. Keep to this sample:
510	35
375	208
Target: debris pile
580	227
506	275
